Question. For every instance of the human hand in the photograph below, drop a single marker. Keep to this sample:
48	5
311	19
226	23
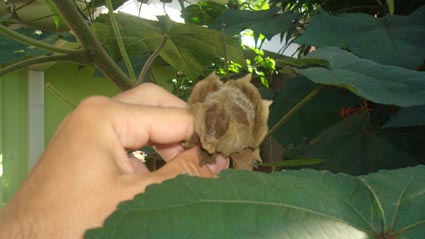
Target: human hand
85	170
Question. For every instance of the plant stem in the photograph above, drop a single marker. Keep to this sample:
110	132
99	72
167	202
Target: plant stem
390	6
59	95
183	11
223	38
24	5
291	112
96	53
43	59
150	60
29	41
120	42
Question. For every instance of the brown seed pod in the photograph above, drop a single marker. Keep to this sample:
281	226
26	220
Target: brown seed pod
230	119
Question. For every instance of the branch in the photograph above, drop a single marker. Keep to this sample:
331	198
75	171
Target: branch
78	58
96	53
32	42
150	60
120	41
291	112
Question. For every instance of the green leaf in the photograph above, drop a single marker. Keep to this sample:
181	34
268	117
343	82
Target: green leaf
136	61
304	204
400	197
354	146
5	17
392	40
410	140
408	116
56	16
12	51
373	81
189	48
268	22
203	12
317	115
302	62
293	162
270	151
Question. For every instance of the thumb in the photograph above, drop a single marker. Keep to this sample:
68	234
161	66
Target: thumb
188	163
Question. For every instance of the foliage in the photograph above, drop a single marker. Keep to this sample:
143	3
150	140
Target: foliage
407	116
352	102
304	204
267	22
356	145
12	51
391	40
203	13
183	47
365	78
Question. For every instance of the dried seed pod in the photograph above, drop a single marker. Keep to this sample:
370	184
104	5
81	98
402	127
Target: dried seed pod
230	119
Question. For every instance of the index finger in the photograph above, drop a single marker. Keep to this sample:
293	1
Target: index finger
150	94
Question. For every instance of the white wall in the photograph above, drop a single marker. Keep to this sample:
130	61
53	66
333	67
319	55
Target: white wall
35	116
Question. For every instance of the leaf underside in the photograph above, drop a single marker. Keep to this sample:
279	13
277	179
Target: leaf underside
189	48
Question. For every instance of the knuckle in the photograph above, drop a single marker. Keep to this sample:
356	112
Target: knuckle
150	87
93	105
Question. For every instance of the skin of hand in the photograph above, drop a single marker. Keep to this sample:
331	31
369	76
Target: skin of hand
85	170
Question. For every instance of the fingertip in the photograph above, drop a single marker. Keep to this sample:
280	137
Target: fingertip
169	151
188	163
222	163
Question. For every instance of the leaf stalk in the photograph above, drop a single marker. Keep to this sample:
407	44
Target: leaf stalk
57	93
78	58
150	60
294	109
32	42
223	38
120	41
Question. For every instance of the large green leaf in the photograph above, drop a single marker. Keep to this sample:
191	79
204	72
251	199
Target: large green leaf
392	40
410	140
317	115
373	81
356	146
189	48
267	22
408	116
304	204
